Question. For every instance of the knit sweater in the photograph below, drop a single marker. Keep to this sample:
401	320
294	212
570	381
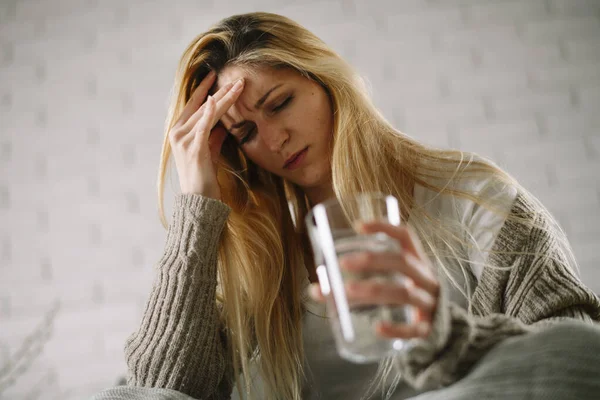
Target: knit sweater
180	344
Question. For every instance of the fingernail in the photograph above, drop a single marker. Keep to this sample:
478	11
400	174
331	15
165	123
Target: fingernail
238	85
211	74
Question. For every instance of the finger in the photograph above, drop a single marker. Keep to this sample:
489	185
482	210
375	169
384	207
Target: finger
418	246
197	98
217	137
202	129
371	291
229	98
403	331
221	93
225	90
426	280
391	262
423	316
407	239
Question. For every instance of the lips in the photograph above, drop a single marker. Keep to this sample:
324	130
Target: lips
293	157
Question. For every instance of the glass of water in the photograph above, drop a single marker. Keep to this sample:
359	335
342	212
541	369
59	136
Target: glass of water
332	230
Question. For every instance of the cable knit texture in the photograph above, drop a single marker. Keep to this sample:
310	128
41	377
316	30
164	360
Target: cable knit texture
180	345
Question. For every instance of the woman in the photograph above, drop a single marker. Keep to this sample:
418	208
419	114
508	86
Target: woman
267	121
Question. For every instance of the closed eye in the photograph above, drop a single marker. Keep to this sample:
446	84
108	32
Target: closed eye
284	104
251	132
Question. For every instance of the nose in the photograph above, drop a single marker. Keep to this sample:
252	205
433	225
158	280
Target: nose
274	136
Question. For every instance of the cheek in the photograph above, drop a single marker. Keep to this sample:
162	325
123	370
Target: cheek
319	113
260	157
324	117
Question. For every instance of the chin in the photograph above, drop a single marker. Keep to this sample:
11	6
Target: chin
315	179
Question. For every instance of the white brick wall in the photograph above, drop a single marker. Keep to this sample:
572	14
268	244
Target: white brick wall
83	97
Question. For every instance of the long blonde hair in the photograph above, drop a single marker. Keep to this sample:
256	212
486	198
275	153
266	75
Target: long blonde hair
262	253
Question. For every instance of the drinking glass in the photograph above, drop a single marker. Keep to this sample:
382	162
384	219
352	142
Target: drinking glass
332	230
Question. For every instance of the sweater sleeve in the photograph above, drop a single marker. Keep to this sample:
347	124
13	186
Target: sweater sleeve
180	343
533	292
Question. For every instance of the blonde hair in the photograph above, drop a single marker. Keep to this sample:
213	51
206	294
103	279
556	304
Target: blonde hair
262	253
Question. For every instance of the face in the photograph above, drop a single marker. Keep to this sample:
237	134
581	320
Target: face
279	114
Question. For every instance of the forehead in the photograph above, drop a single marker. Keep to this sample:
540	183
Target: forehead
254	77
257	81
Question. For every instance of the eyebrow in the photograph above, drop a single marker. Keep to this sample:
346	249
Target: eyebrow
257	106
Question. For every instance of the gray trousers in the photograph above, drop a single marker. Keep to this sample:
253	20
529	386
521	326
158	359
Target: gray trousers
561	362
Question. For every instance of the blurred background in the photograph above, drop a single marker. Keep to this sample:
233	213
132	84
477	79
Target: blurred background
84	86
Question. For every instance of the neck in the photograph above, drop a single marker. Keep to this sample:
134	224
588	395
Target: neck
318	195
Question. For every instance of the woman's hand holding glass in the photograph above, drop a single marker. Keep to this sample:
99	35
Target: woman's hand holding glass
421	289
197	137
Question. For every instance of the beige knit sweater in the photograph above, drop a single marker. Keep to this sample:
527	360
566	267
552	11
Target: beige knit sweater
180	345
